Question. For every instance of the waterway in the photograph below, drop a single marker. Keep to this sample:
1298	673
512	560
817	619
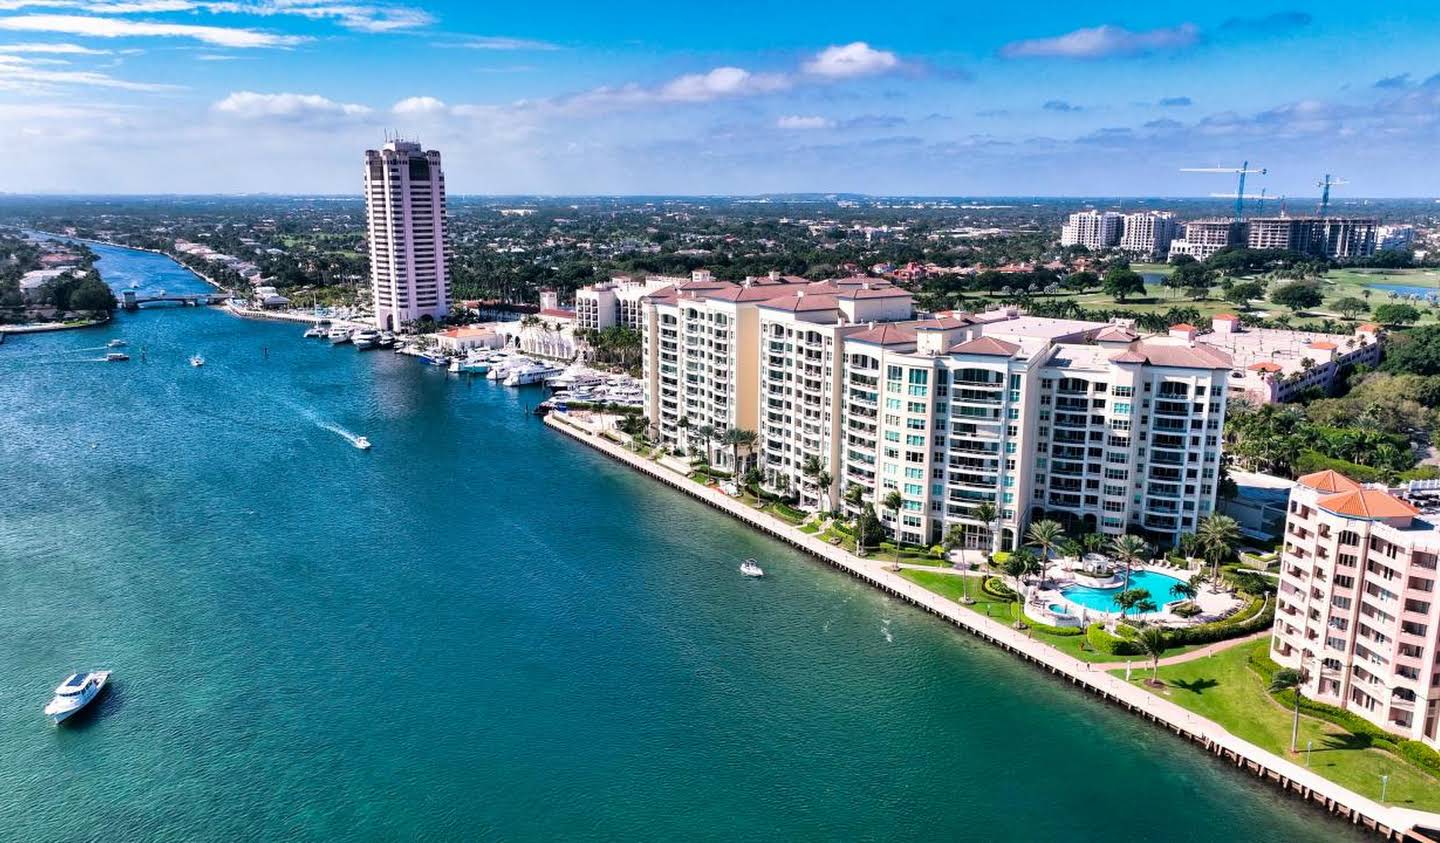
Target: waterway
481	630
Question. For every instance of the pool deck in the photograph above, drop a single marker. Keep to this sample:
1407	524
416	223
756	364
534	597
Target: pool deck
1388	821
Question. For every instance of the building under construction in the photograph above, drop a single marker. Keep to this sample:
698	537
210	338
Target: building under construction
1338	238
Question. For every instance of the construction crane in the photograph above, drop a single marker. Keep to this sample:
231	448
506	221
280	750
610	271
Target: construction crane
1327	183
1258	198
1242	171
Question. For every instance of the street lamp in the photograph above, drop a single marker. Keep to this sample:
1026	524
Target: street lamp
1384	785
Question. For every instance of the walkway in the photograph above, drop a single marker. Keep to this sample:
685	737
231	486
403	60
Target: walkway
1203	652
1392	822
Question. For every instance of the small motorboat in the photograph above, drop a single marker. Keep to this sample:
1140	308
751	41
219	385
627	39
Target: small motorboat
338	336
197	361
751	568
116	357
366	338
315	332
116	343
77	691
454	367
386	340
362	443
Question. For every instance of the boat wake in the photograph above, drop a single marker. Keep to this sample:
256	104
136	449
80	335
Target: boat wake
352	438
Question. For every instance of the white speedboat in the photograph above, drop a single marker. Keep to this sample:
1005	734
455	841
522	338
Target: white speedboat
366	338
315	332
362	443
386	340
197	361
116	357
475	367
751	568
338	336
532	373
76	692
116	343
454	367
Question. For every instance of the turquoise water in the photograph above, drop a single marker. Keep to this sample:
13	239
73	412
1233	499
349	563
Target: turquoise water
1103	599
1404	290
481	630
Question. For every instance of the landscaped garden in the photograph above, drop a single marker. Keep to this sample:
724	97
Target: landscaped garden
1231	688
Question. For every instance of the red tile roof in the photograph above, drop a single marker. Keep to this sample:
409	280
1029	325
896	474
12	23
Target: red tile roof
1183	326
1329	481
558	313
1367	503
985	345
886	334
1265	366
1324	346
1179	356
1228	317
801	304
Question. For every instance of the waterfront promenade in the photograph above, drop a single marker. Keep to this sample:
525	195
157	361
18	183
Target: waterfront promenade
1391	822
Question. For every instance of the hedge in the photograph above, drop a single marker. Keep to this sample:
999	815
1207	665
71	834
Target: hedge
1415	752
1104	642
994	587
1258	614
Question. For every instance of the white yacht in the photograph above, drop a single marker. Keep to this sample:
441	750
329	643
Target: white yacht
362	443
454	367
751	568
386	340
76	692
533	373
197	361
339	335
315	332
366	338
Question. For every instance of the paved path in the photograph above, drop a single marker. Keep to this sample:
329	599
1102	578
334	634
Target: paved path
1203	652
1392	821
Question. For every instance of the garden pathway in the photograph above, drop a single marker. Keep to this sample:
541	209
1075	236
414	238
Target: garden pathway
1207	650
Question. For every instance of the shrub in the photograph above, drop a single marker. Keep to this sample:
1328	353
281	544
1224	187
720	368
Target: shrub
1104	642
1258	614
938	551
788	513
996	587
1188	609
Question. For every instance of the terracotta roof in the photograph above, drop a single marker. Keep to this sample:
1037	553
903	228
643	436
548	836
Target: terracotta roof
885	334
558	313
1228	317
801	304
1116	333
1179	356
1183	326
1128	356
940	323
1368	326
1329	481
876	291
1265	366
1367	503
985	345
1324	346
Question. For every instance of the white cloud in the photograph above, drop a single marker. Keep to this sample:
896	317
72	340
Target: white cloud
496	42
419	105
58	49
357	16
850	60
796	121
1102	41
721	82
23	75
248	105
114	28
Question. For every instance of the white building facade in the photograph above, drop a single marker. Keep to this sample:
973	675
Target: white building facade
1148	235
1095	230
405	223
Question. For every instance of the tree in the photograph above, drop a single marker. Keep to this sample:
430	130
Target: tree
1045	535
1240	294
1130	550
1415	352
1019	563
867	529
1297	296
1350	307
1130	598
1218	537
894	502
1082	280
985	513
854	494
1184	590
954	540
737	438
1120	283
1396	314
93	295
1191	277
706	433
1290	679
1153	641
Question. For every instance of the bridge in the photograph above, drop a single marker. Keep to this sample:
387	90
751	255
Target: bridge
130	300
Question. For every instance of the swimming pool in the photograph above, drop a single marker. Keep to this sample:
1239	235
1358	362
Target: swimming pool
1103	599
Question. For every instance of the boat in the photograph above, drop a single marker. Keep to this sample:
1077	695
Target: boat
197	361
386	340
475	367
339	336
454	367
362	443
77	691
315	332
434	358
116	343
751	568
366	338
116	357
528	374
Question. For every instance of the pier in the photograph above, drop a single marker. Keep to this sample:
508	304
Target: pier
1386	821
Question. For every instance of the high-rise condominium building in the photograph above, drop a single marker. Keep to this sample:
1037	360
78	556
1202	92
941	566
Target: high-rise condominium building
1148	234
1388	237
1203	238
845	388
1357	611
1330	237
616	302
1095	230
405	219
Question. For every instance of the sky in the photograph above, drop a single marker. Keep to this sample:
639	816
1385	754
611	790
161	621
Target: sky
745	97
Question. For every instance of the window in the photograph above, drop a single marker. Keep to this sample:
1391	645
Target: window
920	377
914	489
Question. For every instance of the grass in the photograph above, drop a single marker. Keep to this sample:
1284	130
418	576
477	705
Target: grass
1224	689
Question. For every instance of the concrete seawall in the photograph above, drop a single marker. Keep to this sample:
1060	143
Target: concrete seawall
1390	822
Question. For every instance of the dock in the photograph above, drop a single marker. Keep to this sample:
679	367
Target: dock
1386	821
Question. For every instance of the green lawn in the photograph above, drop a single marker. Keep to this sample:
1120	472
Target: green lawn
1223	688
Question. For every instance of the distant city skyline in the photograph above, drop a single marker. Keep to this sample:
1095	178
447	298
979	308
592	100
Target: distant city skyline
180	96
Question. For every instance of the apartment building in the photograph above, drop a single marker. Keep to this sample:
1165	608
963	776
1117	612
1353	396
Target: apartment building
1394	237
1095	230
1356	611
1271	365
1148	235
405	224
1338	238
617	301
1201	239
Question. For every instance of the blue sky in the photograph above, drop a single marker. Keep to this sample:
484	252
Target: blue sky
1044	98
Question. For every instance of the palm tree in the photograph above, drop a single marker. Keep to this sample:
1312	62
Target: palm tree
1045	535
1153	641
893	502
985	513
737	438
954	540
1184	590
1130	550
1093	542
1189	545
1288	679
1131	598
823	481
1218	536
706	433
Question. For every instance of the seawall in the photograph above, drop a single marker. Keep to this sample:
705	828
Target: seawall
1389	822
